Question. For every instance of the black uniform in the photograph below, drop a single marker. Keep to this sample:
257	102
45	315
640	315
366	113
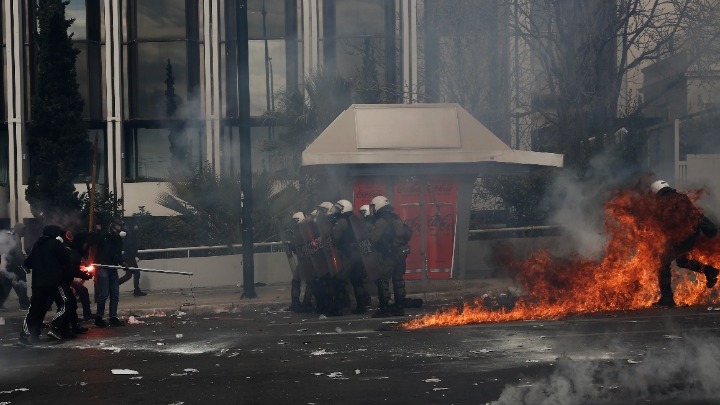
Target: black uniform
48	261
351	264
677	212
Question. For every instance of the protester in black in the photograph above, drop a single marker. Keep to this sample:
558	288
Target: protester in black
48	259
130	251
72	271
109	253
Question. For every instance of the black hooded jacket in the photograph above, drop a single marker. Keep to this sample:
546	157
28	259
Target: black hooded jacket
48	258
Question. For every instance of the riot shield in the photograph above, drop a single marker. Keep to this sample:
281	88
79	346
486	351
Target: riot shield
369	256
309	232
288	247
324	227
306	269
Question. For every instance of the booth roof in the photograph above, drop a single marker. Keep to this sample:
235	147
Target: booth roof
367	134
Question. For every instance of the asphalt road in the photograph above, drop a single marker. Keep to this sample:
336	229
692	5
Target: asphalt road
657	356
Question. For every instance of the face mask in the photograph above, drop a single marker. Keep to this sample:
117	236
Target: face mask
122	234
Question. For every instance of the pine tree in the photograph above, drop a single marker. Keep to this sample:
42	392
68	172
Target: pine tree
57	133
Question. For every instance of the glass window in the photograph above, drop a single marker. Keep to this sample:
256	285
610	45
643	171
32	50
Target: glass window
101	157
83	78
353	54
76	9
4	156
274	19
360	17
262	159
161	19
3	86
152	60
258	76
148	156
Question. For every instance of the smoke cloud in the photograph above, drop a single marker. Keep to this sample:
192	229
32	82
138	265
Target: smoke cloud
685	371
578	203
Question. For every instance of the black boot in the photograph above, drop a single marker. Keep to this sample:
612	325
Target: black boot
383	310
295	306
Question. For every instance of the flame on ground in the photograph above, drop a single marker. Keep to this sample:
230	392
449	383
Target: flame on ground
638	227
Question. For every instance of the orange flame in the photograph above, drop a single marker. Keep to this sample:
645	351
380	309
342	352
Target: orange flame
639	227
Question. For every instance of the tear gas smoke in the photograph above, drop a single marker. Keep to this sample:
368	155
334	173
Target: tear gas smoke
685	371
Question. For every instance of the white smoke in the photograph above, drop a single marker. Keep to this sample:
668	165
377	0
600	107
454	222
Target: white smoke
7	243
578	204
686	370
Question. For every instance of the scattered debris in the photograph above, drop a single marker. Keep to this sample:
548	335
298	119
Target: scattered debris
338	330
2	321
178	336
432	380
132	320
439	389
124	371
672	337
191	370
15	390
321	352
357	371
481	351
631	361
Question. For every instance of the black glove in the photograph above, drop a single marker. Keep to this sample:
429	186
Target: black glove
85	275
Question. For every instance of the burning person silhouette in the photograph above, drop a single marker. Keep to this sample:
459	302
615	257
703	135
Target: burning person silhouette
685	224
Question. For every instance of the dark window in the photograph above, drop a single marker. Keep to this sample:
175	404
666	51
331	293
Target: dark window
3	83
152	60
357	38
4	156
147	151
274	19
360	18
273	70
76	10
158	32
161	19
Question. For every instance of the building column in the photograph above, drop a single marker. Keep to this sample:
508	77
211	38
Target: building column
113	94
212	83
15	61
311	36
408	27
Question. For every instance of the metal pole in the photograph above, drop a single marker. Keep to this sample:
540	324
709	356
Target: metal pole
243	81
109	266
91	220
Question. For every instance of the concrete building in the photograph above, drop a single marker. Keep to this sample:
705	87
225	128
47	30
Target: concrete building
127	45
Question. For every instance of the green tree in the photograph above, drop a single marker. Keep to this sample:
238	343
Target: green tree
107	206
209	202
57	133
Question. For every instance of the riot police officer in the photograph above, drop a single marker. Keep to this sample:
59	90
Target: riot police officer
386	234
351	265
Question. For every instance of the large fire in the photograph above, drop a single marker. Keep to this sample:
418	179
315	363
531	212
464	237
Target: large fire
624	278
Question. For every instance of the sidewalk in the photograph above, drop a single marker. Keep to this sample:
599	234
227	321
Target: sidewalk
201	301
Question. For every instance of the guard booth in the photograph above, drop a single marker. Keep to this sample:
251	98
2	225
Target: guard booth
425	158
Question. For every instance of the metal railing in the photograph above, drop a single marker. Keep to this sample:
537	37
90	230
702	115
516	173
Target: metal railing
517	232
205	251
274	247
